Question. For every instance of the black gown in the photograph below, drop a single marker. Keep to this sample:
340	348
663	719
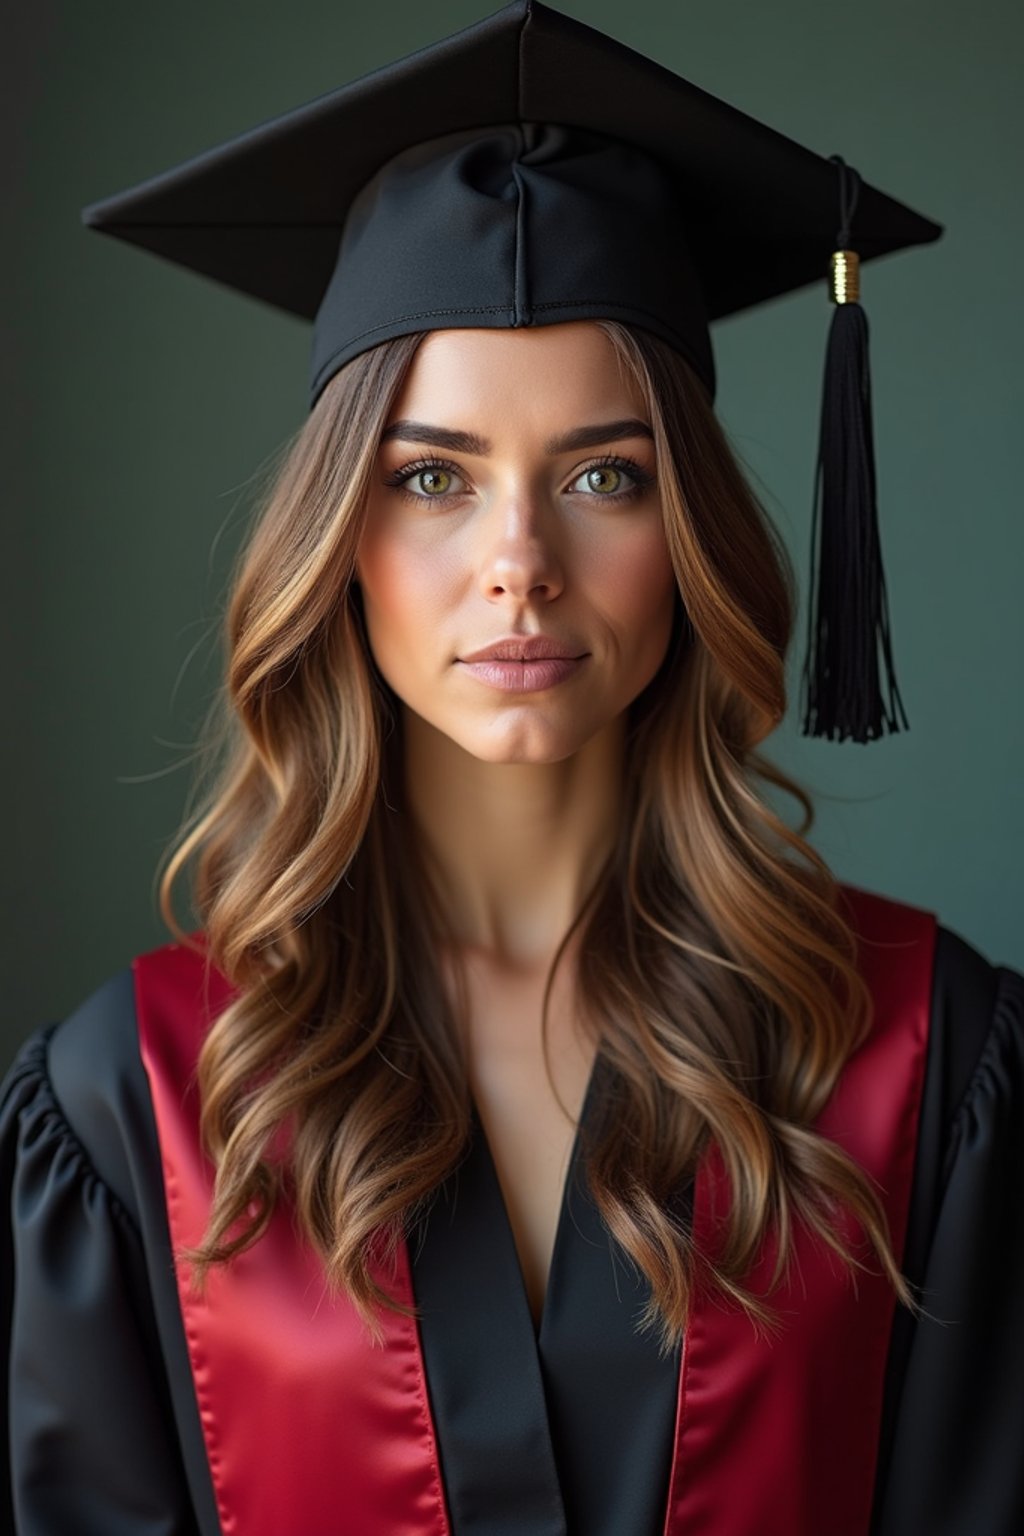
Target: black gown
563	1429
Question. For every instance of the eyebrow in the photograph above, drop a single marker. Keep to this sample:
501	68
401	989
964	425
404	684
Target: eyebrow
471	442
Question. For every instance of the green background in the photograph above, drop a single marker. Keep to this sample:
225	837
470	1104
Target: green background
140	400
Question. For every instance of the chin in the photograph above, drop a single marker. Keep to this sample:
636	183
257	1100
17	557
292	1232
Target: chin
497	755
522	744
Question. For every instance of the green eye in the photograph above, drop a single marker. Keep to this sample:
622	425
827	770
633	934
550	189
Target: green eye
604	478
426	480
614	478
435	482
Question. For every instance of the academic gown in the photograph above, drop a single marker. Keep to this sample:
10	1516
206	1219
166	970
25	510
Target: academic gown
562	1431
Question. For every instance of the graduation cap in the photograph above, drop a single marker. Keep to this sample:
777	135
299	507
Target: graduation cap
529	169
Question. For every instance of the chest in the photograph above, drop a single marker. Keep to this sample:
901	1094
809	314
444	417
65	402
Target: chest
456	1419
529	1109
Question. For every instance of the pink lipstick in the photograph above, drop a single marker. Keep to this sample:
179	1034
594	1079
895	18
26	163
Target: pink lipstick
524	663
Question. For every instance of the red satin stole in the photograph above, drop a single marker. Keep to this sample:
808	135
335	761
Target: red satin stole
309	1427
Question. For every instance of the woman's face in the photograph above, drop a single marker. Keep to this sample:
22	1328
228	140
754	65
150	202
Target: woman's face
514	501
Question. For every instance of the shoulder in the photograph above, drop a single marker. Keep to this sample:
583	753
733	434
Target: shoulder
978	1051
976	1007
76	1091
79	1091
975	1074
975	1057
977	1016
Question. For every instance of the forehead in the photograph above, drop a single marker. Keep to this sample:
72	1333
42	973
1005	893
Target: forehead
545	375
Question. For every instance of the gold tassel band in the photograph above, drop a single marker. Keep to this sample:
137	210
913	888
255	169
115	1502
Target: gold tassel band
844	277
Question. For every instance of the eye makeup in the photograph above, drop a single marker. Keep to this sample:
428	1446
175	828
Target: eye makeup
641	477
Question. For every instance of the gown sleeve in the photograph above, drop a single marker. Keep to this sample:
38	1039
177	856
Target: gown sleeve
89	1448
956	1464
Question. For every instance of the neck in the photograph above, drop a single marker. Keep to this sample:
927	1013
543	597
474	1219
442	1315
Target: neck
516	846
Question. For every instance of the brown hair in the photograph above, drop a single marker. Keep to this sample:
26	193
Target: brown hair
713	960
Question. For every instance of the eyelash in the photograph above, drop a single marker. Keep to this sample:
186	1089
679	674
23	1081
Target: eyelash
643	479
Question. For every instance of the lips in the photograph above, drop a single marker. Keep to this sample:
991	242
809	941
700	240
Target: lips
527	648
524	664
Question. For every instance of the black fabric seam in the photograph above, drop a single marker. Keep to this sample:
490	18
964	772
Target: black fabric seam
492	309
213	224
520	303
520	300
422	314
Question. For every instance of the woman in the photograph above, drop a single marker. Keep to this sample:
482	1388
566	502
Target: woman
535	1137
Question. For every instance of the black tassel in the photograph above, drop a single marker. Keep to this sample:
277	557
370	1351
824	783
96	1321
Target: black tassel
848	617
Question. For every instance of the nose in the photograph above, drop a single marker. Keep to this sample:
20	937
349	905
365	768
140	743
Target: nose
519	558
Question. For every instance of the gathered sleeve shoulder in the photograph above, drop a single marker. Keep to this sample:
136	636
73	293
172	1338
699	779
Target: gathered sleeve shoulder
90	1443
956	1464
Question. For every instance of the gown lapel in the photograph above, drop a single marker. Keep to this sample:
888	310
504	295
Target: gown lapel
550	1431
480	1351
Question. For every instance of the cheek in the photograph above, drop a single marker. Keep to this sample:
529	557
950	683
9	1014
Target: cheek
406	586
632	579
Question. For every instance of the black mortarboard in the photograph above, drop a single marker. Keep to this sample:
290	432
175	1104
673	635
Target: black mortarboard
529	169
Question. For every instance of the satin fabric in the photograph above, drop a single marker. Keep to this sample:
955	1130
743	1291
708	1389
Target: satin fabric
808	1452
800	1414
298	1407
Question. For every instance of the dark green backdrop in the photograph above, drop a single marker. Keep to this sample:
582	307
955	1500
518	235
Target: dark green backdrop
139	400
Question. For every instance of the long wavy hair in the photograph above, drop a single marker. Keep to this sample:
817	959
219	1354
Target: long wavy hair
714	967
